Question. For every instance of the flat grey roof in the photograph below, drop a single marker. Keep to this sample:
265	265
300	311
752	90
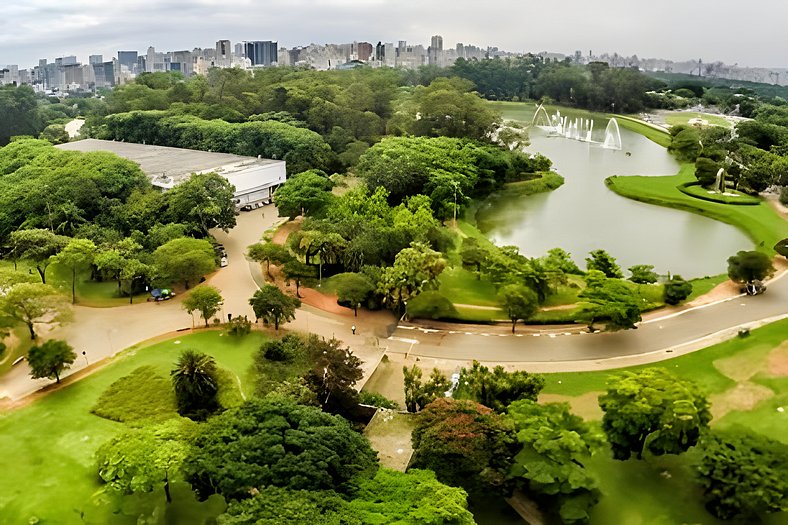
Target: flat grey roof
173	162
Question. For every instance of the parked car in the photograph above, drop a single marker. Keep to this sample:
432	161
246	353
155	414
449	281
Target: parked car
223	261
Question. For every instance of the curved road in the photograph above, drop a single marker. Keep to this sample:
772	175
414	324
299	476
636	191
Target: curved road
103	332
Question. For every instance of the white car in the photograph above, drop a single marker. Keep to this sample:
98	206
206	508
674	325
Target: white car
223	262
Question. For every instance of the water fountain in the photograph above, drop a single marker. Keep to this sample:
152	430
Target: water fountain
541	118
612	135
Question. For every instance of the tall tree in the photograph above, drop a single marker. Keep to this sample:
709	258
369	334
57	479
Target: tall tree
519	302
473	254
50	359
277	443
297	271
605	263
643	274
184	259
743	474
268	252
653	411
419	394
307	193
205	200
273	306
748	266
77	255
37	246
414	269
557	446
610	300
195	381
353	289
497	389
334	376
205	299
676	290
32	303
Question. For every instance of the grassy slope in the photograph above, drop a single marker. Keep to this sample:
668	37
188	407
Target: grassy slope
683	117
53	472
760	223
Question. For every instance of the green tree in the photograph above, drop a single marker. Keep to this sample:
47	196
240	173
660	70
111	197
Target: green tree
676	290
77	255
32	303
353	289
205	299
273	306
195	381
297	271
307	193
685	143
464	443
334	376
275	505
749	266
133	275
610	300
268	252
643	274
414	269
55	133
419	394
519	302
556	448
431	304
50	359
743	474
560	260
184	259
18	113
205	200
473	254
414	497
277	443
145	459
499	388
37	246
605	263
653	411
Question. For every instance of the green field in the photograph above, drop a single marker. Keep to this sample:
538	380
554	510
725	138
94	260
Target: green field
660	490
761	223
683	117
651	132
48	446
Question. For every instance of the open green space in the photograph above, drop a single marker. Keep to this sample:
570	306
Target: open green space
683	117
729	197
661	490
761	223
651	132
89	293
49	445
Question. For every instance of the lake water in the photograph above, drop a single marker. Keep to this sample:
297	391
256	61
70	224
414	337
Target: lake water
583	215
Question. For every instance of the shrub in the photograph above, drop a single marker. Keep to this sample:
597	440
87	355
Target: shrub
141	395
377	400
431	305
239	326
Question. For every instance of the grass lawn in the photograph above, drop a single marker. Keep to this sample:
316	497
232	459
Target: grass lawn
704	285
461	286
652	133
661	490
48	446
761	223
683	117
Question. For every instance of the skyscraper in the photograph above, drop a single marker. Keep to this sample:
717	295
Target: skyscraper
128	59
435	53
224	53
261	53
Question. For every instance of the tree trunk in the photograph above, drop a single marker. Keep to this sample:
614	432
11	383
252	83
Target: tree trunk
42	273
73	286
514	322
276	323
206	322
355	310
32	331
478	271
57	377
167	488
298	285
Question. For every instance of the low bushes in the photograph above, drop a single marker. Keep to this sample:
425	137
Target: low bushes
694	189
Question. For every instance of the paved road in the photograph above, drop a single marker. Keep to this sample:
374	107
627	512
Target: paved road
102	333
552	350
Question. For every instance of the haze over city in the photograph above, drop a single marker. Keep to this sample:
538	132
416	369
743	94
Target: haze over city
678	30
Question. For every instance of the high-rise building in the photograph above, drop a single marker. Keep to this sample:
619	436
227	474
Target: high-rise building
224	54
261	53
128	59
435	53
364	51
95	59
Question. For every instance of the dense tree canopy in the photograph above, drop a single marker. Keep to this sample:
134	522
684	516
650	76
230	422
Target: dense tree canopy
653	411
50	359
748	266
184	260
497	389
279	443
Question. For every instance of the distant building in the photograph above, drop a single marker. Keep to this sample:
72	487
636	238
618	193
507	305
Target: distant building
224	54
128	59
255	179
364	51
261	52
95	59
435	53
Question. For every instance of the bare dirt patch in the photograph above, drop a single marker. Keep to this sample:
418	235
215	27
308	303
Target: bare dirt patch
743	397
745	364
285	230
585	406
389	434
777	361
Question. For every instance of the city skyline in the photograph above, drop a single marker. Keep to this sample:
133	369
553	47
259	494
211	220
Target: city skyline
680	31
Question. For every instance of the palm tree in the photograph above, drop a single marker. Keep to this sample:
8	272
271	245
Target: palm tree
194	380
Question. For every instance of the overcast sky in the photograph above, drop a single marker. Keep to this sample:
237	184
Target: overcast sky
751	33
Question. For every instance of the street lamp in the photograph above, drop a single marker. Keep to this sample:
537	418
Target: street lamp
85	355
